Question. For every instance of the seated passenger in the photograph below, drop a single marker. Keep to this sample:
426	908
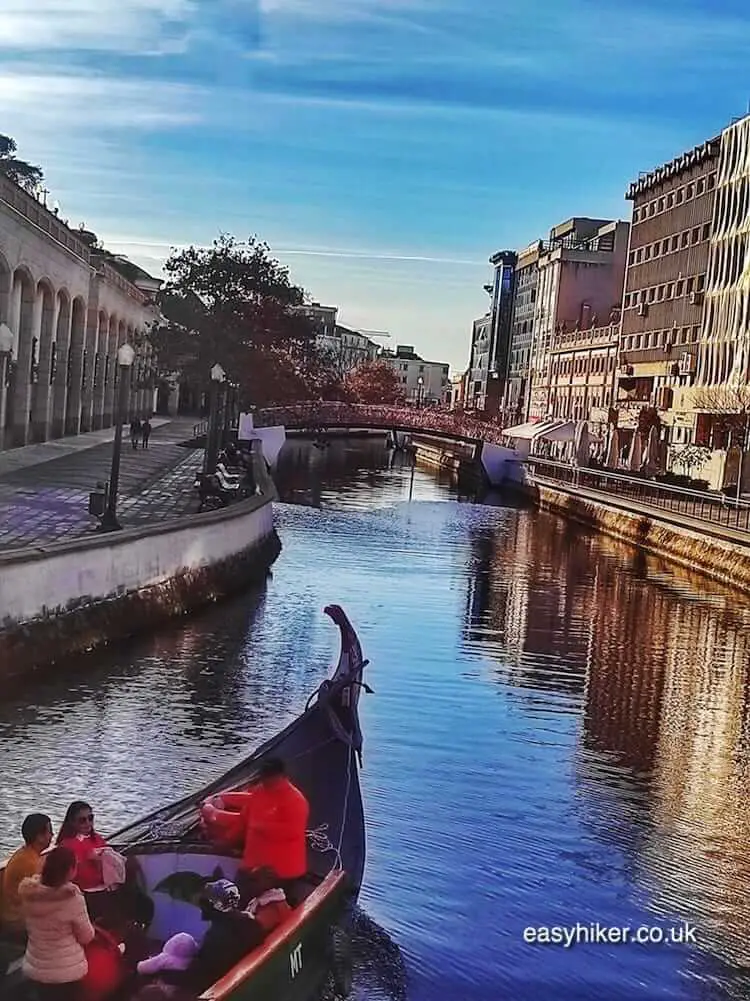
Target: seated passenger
112	894
266	901
58	927
274	815
25	862
78	835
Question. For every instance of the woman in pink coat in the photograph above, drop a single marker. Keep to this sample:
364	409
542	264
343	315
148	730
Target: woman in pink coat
77	833
58	928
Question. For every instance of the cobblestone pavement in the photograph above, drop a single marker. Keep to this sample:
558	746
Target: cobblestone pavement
44	489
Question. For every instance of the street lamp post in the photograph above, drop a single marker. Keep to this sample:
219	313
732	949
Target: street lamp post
6	350
218	376
125	359
420	391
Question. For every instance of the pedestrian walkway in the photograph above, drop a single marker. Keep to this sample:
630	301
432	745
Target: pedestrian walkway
44	489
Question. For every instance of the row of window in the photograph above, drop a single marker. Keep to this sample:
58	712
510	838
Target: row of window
694	189
584	365
661	338
669	290
669	245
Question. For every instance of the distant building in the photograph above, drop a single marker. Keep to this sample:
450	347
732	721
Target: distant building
479	363
458	388
521	334
583	364
581	274
501	310
345	347
423	382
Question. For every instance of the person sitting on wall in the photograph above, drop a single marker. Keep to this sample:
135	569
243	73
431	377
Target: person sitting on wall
24	863
273	814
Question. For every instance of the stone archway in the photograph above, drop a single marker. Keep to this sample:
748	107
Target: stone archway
6	284
41	356
58	366
99	370
25	321
75	373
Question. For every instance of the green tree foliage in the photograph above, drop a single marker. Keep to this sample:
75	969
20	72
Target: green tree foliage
234	304
26	175
374	382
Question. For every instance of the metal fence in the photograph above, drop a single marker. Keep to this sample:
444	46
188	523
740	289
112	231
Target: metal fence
708	506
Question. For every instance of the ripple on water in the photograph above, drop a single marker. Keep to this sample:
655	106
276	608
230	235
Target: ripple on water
559	734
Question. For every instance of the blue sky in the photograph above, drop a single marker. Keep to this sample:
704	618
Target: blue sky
384	148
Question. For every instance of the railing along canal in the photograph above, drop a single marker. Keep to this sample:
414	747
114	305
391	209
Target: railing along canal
710	507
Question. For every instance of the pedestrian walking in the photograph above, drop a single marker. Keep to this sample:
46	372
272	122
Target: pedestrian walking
146	432
135	432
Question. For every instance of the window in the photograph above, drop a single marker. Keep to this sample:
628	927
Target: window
651	294
661	205
700	283
647	253
679	289
679	196
665	246
651	208
660	292
675	242
631	258
700	187
706	232
636	215
696	235
685	239
670	199
688	191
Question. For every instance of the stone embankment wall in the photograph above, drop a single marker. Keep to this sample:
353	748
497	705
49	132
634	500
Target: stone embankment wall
70	597
719	559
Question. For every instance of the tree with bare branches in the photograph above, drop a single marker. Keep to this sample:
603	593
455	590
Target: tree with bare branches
730	407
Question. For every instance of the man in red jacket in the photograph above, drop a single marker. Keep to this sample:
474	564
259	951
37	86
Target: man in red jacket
273	815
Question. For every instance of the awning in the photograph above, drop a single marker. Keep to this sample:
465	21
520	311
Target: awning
525	431
549	430
557	431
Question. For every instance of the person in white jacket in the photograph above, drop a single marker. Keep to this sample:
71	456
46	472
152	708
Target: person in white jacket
58	928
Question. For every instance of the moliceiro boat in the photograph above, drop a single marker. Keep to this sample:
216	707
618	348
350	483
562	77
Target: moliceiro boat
322	750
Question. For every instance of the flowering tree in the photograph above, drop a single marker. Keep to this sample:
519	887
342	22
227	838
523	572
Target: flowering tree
373	382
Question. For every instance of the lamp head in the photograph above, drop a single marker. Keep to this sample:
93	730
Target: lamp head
125	355
6	339
218	374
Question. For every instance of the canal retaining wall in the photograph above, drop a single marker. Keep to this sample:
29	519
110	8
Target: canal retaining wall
69	597
714	554
455	458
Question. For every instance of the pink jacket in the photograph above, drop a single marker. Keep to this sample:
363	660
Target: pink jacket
58	927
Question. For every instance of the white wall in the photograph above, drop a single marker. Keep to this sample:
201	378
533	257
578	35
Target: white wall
109	565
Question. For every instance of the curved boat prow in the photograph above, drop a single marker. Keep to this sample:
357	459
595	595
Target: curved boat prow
351	661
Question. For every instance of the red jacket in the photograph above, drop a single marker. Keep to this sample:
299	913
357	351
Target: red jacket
89	873
275	818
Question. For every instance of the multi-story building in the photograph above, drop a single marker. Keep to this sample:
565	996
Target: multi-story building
479	363
581	272
583	364
68	306
423	382
504	263
724	348
345	348
665	285
521	333
323	317
458	387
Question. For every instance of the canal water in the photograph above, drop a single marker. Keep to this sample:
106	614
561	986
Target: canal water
559	735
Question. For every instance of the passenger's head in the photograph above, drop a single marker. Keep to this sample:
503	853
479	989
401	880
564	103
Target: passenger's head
219	897
79	819
271	771
36	831
59	867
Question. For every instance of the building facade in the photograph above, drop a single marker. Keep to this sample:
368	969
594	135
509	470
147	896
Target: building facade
424	383
68	307
583	364
581	274
504	263
665	287
521	334
479	363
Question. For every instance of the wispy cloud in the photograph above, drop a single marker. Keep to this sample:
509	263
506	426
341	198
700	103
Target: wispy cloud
100	25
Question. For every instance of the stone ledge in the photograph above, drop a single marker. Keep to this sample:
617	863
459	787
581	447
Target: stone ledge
716	558
97	540
48	640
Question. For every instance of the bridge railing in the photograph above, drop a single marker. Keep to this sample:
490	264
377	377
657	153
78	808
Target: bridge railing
708	506
316	414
